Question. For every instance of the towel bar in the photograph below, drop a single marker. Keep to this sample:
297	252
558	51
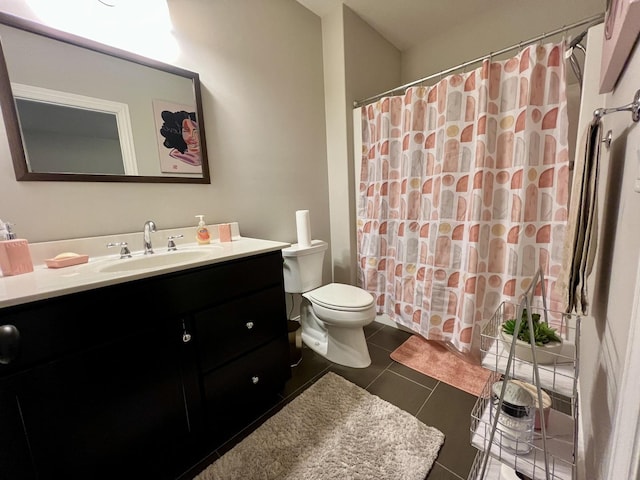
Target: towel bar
633	107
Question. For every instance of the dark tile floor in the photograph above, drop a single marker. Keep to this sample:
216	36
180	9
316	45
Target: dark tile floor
434	403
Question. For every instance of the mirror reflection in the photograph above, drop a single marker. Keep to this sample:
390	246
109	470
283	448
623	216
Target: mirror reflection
85	111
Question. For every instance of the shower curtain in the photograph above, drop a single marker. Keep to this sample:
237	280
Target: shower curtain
463	194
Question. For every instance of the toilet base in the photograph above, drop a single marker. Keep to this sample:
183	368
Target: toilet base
344	346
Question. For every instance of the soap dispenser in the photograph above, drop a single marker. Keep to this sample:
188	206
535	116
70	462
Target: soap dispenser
15	257
202	232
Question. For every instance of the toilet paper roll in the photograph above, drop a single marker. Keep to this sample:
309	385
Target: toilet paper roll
304	228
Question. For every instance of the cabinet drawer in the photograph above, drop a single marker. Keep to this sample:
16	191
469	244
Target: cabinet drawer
240	391
211	285
233	328
65	325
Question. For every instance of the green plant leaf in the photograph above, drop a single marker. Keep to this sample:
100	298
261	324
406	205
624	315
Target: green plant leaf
542	332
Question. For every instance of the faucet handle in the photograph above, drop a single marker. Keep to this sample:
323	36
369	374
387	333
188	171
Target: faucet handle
124	248
171	245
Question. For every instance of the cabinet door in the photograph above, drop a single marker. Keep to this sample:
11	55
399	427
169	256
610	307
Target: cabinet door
114	411
15	461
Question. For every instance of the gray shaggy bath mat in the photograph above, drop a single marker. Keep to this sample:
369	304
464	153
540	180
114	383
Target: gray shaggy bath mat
333	430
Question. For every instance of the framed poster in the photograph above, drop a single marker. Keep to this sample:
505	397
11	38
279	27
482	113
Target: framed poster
178	137
621	28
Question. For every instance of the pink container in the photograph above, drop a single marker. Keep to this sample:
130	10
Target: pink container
15	257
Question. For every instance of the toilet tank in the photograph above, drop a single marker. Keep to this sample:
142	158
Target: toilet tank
303	266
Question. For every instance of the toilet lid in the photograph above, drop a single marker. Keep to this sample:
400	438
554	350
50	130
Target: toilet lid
339	296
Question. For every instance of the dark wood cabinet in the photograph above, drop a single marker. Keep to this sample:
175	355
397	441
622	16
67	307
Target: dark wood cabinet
140	378
15	459
239	392
98	413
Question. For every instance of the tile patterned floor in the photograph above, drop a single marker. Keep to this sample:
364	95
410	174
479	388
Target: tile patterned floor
433	402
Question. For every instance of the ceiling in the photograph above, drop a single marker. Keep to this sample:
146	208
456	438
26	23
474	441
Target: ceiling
406	23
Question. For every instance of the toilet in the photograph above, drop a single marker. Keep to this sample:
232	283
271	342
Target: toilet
332	316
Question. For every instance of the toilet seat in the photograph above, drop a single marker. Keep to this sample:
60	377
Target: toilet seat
339	296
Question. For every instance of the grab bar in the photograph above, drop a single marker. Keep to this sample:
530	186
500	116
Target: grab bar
633	107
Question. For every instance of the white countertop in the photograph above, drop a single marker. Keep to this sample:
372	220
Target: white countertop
46	282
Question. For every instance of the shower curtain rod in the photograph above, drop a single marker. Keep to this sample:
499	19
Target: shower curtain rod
593	19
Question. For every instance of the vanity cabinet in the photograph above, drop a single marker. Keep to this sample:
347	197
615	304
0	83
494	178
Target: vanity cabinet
141	378
95	385
244	356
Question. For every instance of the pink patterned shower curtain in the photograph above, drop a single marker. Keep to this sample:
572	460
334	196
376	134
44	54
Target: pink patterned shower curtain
463	194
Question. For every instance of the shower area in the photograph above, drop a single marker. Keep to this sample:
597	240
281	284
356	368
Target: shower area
463	186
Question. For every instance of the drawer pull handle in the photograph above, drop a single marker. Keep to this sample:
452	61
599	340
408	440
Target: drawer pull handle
9	343
186	336
255	380
249	325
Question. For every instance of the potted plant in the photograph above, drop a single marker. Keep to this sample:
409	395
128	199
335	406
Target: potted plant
548	342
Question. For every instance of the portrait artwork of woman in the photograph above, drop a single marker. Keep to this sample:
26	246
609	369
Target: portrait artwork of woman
181	136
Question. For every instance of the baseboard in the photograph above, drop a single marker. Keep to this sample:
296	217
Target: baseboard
386	320
580	448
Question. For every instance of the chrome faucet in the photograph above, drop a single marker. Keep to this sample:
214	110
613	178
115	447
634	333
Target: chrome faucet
149	228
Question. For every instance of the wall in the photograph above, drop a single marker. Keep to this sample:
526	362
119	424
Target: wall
514	22
260	65
358	62
336	127
605	331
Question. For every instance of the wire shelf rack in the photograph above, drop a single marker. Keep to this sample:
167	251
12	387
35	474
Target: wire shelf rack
560	434
550	369
559	375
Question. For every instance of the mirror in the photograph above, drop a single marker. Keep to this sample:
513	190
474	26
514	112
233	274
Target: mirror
78	110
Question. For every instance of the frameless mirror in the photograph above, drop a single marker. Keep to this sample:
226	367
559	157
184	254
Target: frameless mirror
78	110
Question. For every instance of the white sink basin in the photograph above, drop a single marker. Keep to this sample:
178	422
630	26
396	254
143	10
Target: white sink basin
157	260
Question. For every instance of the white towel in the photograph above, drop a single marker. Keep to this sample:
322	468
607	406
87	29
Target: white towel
581	238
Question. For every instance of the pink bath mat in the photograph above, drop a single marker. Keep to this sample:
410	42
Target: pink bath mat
436	361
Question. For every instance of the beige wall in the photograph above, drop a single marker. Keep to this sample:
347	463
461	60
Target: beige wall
260	65
605	332
357	62
516	21
336	127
